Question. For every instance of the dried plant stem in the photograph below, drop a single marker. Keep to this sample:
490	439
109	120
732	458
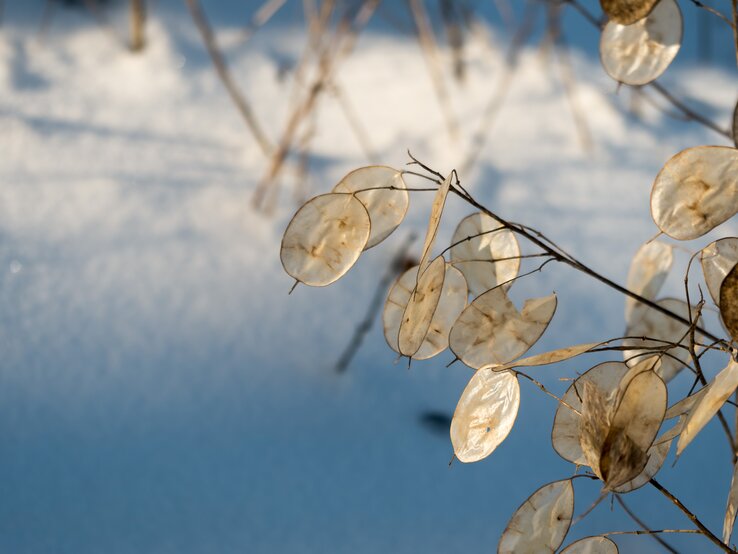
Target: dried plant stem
352	118
242	105
261	17
693	518
643	526
689	112
653	532
334	50
713	11
568	77
432	57
138	25
497	99
545	390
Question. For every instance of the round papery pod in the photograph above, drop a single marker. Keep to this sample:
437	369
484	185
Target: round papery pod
717	259
541	523
452	301
635	422
592	545
567	423
485	414
639	53
627	12
491	330
696	191
325	238
729	302
384	194
477	241
418	314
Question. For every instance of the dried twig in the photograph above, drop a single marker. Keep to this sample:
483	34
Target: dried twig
334	49
568	77
242	105
497	99
138	23
261	17
693	518
433	62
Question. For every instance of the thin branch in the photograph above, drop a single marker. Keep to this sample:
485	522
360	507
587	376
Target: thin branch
643	526
242	105
693	518
261	17
568	77
544	389
689	112
138	25
713	11
333	51
499	96
432	57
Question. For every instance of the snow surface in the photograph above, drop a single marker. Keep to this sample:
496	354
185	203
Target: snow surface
161	392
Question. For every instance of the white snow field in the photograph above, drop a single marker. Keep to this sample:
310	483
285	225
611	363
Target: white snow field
160	391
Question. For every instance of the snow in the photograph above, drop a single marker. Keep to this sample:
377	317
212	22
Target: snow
161	392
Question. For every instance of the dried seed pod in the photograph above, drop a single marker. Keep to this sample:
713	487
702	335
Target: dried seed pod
648	271
734	127
732	507
620	412
541	522
647	322
552	357
491	331
638	53
627	12
451	303
592	545
485	414
696	191
729	302
476	256
384	195
433	222
721	387
717	259
325	238
567	423
420	308
634	424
